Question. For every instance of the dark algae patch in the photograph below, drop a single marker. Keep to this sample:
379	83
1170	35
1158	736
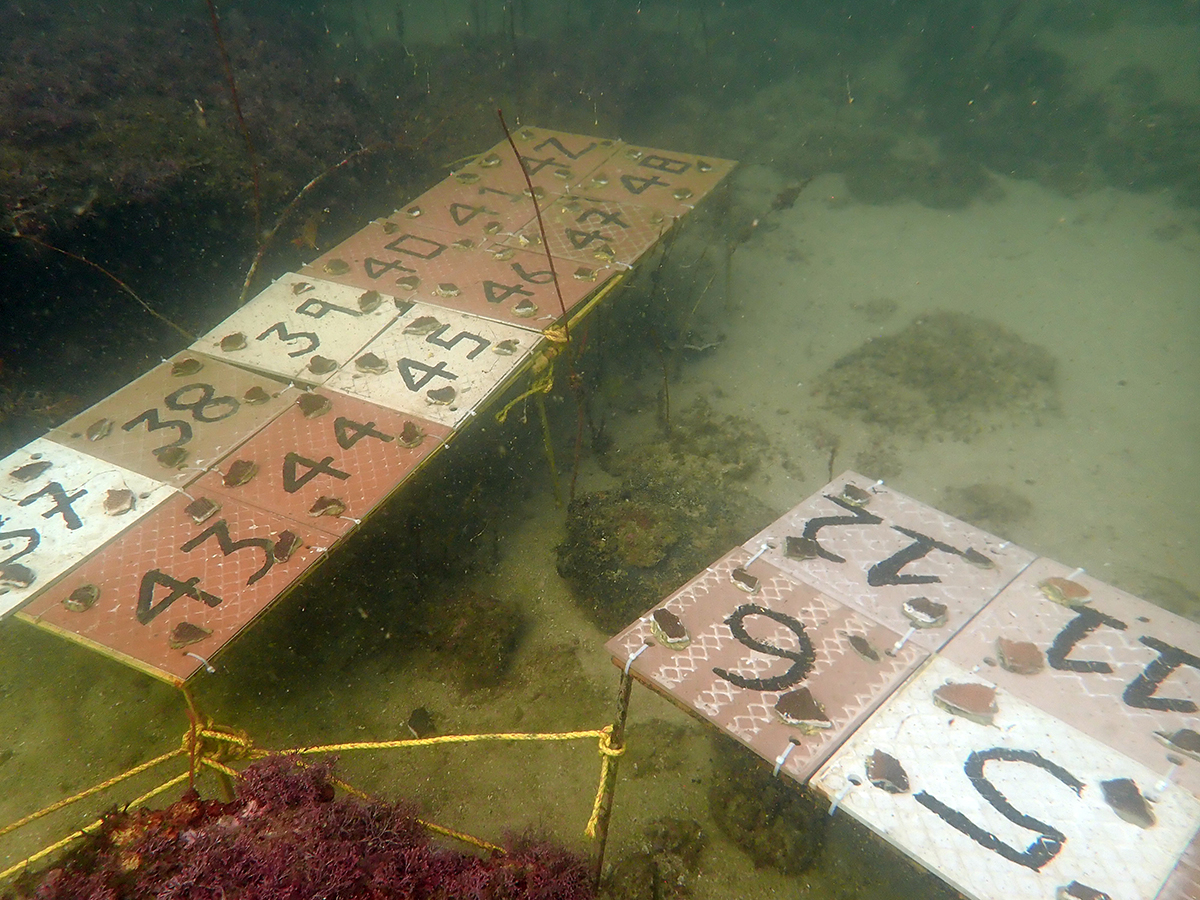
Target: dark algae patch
945	373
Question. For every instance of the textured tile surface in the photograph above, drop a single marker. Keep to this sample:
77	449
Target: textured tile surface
58	505
878	555
297	324
749	648
1011	809
351	452
169	570
1115	667
178	419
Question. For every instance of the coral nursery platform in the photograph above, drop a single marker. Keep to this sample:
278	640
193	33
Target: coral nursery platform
158	524
1017	727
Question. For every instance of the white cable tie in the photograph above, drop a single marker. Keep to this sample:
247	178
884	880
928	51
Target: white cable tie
1076	573
761	550
782	757
1157	791
852	780
899	645
635	654
208	667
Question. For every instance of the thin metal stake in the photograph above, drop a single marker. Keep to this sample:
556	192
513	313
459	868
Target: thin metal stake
617	742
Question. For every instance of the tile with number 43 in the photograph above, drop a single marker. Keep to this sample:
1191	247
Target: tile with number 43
167	594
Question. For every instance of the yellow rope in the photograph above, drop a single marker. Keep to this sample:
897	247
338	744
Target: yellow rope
238	745
607	754
448	739
95	789
88	829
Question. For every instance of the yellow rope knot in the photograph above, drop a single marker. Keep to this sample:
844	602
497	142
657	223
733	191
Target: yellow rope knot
606	747
608	756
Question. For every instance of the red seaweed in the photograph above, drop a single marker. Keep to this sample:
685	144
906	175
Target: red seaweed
287	837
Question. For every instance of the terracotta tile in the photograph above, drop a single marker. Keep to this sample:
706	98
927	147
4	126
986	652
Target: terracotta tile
879	553
748	649
349	450
190	406
168	570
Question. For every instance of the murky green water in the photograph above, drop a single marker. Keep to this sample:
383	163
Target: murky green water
999	197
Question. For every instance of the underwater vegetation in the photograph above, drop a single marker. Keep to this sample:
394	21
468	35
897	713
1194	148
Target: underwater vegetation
942	374
677	508
103	112
287	837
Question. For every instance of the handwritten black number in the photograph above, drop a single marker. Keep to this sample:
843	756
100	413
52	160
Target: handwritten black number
202	408
1049	841
1140	693
802	657
1085	622
348	432
293	480
147	609
220	530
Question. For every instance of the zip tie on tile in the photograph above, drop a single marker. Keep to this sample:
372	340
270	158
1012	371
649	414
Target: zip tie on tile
899	645
783	757
1157	791
852	781
208	667
761	550
636	653
1076	573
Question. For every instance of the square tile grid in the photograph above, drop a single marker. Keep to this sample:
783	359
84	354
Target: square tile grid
178	419
672	183
327	464
173	578
1112	665
595	232
57	506
476	211
879	553
415	262
1014	808
440	365
554	160
750	648
301	328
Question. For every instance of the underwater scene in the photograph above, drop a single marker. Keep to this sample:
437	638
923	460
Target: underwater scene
959	254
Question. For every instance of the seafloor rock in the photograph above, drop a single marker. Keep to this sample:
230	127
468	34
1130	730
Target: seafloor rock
946	372
475	634
773	820
678	507
664	868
